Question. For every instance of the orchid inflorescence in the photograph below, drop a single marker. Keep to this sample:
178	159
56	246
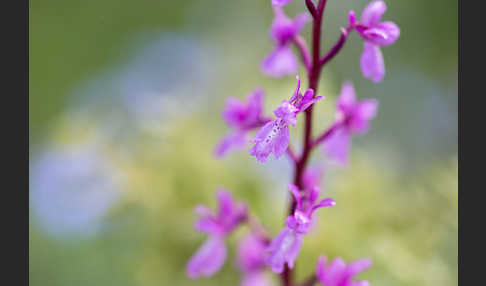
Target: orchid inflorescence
258	251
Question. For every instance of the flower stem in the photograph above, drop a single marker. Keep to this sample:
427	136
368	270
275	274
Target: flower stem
337	47
292	156
304	53
313	75
311	7
326	134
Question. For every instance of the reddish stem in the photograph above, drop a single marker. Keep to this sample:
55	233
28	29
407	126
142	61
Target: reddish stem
325	135
304	53
337	47
313	74
311	7
291	154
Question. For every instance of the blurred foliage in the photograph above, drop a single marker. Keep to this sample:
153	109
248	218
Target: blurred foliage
396	202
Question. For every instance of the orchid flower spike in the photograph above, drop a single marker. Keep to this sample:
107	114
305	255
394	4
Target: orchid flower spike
352	117
211	256
376	34
282	61
274	136
285	247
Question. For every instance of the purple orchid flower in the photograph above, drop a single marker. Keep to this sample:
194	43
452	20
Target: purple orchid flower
251	261
340	274
282	61
274	136
376	34
211	256
352	117
285	247
241	118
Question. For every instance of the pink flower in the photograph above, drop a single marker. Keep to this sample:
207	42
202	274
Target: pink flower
282	61
208	259
241	118
274	136
352	117
211	256
340	274
251	254
251	251
375	33
285	247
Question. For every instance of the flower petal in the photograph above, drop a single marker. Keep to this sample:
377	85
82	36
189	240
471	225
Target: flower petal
286	112
272	137
321	269
336	271
256	278
372	63
251	253
327	202
226	204
208	259
293	250
372	13
358	266
352	18
280	2
337	146
364	112
208	225
280	62
263	132
383	34
296	94
281	141
284	29
347	98
300	21
284	248
309	99
235	140
255	106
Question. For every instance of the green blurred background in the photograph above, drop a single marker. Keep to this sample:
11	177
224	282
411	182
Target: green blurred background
124	111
